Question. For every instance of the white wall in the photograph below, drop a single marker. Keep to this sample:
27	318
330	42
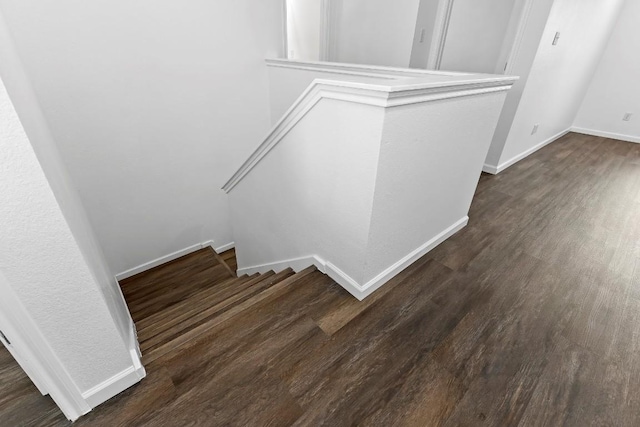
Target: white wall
615	88
313	193
559	76
26	103
153	104
374	32
431	157
303	29
41	261
475	35
426	22
536	16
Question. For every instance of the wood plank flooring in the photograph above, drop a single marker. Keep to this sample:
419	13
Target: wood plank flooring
529	316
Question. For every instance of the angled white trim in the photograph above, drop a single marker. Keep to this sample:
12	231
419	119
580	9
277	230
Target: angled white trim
113	386
604	134
410	91
162	260
494	170
392	73
226	247
360	291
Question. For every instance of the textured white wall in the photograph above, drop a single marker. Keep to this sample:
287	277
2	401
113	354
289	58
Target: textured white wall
43	264
374	32
615	88
560	74
37	128
153	105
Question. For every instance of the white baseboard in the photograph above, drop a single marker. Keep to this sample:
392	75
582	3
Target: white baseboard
360	291
113	386
159	261
121	381
611	135
494	170
226	247
296	264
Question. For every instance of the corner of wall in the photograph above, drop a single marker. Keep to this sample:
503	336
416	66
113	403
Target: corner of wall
122	380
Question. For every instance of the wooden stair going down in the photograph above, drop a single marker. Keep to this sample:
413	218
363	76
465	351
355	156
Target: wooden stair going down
175	303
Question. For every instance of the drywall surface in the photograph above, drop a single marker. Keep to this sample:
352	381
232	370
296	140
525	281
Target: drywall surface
303	29
373	32
286	85
476	34
153	105
36	127
415	204
615	88
536	14
560	74
425	26
42	263
313	193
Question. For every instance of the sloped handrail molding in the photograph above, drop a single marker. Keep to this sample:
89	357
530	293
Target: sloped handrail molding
366	94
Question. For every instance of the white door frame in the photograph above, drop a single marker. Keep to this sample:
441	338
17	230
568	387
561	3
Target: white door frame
326	15
441	28
517	42
285	30
326	27
443	18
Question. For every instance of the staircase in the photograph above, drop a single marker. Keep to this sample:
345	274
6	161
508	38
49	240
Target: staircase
177	302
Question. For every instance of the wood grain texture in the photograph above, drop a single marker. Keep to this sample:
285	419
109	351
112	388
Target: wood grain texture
529	316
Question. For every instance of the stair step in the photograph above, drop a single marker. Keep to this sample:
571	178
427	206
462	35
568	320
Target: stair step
193	305
165	296
231	268
229	257
211	323
168	273
204	277
206	297
161	334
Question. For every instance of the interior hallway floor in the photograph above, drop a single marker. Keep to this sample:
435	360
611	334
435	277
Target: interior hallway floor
528	316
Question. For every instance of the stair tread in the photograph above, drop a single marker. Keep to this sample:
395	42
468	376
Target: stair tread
229	256
231	267
159	334
199	279
165	296
169	272
203	296
223	317
210	296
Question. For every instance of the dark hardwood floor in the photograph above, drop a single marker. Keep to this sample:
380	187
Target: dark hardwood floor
529	316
